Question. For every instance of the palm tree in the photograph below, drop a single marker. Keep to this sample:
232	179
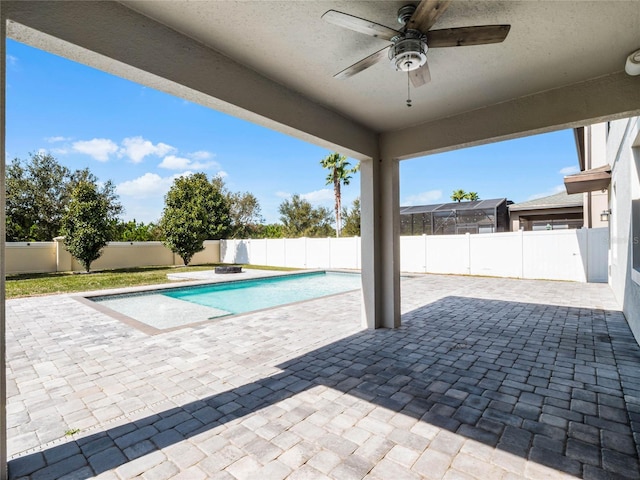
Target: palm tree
458	195
339	174
472	196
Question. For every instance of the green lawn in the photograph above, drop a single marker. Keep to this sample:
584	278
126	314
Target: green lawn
50	283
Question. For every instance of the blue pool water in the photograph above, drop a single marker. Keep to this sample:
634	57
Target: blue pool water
249	295
174	308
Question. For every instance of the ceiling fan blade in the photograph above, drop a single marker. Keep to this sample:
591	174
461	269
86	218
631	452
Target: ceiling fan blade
426	14
360	25
363	64
459	37
420	76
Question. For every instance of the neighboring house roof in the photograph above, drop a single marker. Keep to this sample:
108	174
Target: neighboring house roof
475	205
559	200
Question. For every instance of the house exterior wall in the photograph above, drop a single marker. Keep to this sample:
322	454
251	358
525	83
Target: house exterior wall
541	214
595	149
595	203
623	154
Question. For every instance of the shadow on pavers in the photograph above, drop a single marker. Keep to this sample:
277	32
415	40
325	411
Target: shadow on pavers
559	386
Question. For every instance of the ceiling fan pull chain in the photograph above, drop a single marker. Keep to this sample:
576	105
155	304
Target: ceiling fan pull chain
408	91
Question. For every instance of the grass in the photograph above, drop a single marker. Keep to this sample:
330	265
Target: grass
27	285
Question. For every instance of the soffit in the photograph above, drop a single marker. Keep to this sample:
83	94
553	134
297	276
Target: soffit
550	44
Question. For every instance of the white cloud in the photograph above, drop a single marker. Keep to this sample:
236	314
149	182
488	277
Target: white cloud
283	195
98	148
552	191
423	198
136	148
11	60
319	196
57	139
569	170
148	185
201	155
60	151
43	151
173	162
222	174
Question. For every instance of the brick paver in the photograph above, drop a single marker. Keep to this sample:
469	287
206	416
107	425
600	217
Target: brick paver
487	378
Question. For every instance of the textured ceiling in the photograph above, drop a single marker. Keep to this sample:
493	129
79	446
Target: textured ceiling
551	44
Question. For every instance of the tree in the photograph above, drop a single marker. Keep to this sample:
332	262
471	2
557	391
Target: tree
339	174
244	212
270	230
300	219
472	196
352	220
132	231
195	210
87	223
37	194
458	195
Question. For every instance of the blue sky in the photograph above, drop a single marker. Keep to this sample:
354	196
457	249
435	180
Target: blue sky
141	139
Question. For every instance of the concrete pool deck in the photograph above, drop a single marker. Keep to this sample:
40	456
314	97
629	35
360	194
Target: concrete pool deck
487	378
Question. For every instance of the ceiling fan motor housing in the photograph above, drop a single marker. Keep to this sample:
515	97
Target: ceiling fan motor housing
409	51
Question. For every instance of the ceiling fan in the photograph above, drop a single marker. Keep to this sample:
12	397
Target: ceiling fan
409	45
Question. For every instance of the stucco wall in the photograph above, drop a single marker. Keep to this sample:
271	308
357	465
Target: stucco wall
31	257
43	257
623	154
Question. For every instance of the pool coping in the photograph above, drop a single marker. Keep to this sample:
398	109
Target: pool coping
86	298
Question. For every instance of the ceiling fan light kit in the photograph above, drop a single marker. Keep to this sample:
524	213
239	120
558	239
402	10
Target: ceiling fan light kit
632	65
408	50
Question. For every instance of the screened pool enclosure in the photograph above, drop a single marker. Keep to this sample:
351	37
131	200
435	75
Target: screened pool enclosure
481	216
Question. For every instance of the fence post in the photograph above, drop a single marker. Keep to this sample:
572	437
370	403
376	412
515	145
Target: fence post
306	252
284	252
468	235
426	253
63	257
587	263
521	231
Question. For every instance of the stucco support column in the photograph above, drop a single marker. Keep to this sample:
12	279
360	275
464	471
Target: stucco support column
3	375
380	222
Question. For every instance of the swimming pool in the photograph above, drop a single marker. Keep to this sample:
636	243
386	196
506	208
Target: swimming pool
163	309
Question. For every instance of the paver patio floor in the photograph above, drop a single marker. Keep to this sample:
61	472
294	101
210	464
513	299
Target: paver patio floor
487	378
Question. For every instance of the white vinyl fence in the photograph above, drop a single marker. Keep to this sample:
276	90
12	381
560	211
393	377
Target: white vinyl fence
574	255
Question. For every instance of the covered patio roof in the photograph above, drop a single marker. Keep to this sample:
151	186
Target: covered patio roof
273	63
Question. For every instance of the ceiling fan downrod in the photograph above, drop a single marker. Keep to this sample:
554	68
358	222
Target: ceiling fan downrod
405	13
